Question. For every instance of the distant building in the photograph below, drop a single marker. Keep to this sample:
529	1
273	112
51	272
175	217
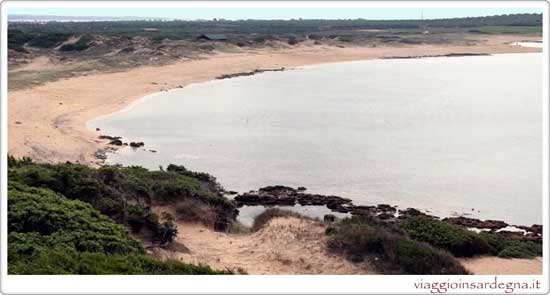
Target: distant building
426	32
150	29
212	37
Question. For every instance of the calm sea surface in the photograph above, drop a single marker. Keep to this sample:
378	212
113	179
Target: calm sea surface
459	135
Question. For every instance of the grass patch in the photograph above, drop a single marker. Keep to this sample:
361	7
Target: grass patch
391	253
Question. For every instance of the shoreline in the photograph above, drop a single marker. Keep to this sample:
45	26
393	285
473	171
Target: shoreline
49	123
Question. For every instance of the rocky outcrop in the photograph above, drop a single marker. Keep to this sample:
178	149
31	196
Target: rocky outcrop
288	196
279	195
256	71
476	223
137	144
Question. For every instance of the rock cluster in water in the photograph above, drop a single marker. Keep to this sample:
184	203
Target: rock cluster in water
279	195
254	72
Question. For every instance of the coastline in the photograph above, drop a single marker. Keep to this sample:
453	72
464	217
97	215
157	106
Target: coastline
54	127
49	123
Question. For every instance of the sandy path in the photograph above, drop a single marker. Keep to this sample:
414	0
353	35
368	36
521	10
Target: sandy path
501	266
48	122
284	246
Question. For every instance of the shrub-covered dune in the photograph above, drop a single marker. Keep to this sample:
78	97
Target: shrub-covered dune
50	234
72	219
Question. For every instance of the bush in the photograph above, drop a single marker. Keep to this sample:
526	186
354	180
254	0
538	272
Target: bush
194	211
47	39
266	216
459	241
390	252
50	234
68	261
80	45
126	194
507	247
464	243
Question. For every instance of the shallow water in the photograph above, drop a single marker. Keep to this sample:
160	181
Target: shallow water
459	135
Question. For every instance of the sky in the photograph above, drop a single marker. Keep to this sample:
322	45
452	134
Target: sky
192	13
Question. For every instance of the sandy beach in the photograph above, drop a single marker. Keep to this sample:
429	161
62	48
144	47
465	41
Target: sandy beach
48	122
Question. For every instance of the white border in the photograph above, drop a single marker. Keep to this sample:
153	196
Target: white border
378	284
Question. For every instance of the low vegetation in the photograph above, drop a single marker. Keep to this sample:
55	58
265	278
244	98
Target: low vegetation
464	243
126	194
72	219
81	44
50	234
262	219
389	251
107	46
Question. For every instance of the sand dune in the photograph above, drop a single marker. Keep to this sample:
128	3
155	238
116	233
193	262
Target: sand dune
284	246
292	246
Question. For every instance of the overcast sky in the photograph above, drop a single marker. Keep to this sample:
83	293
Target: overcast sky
275	13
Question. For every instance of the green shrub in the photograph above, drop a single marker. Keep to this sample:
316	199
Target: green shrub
80	45
126	194
194	211
62	260
16	40
34	212
459	241
50	234
47	39
507	247
389	251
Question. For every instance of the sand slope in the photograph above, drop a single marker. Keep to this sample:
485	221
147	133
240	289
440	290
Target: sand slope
293	246
284	246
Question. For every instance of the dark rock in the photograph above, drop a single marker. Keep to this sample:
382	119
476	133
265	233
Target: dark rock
521	237
136	144
385	216
254	72
277	189
340	209
386	208
97	129
329	218
232	192
412	212
301	188
476	223
535	228
109	137
330	231
153	151
116	142
362	210
18	122
100	154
